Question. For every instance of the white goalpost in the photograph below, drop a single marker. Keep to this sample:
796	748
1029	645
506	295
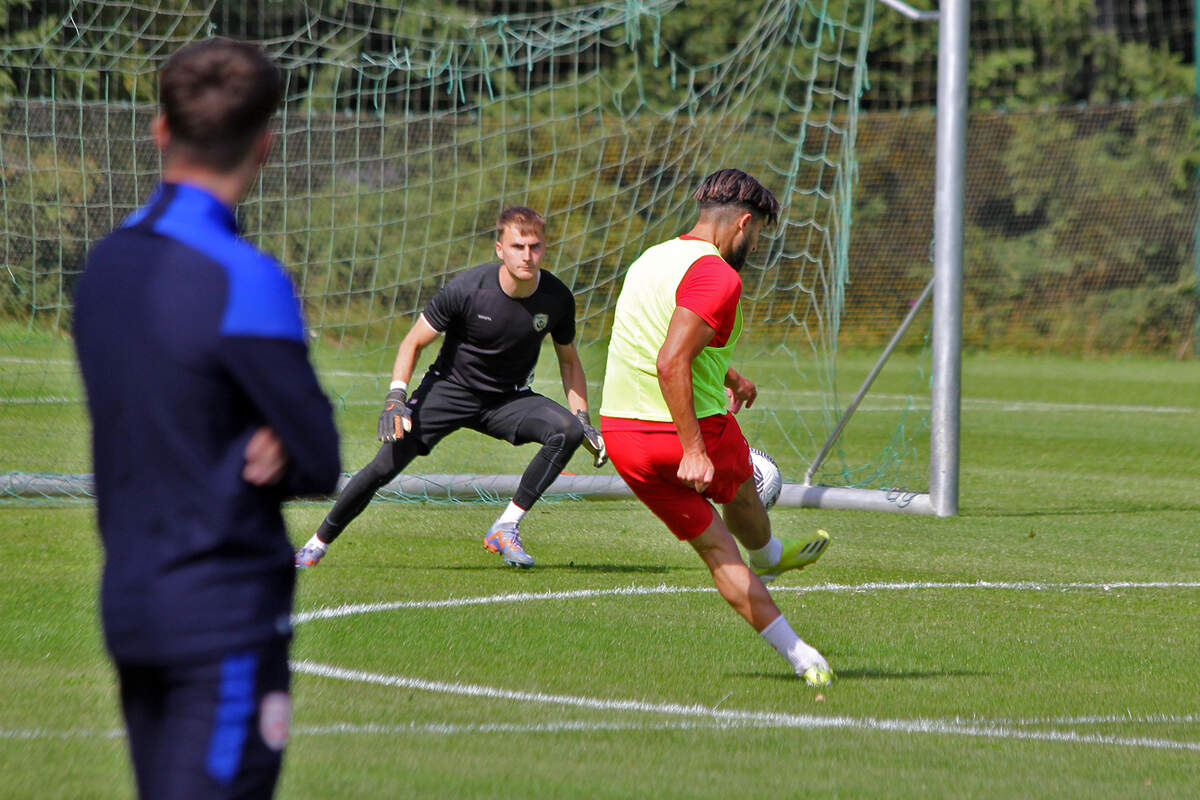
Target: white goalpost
405	130
946	287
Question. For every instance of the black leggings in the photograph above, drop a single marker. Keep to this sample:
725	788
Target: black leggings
438	409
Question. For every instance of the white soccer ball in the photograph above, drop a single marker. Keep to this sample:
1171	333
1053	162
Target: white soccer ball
768	480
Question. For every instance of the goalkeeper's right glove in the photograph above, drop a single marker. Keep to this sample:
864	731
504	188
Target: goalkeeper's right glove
395	418
592	440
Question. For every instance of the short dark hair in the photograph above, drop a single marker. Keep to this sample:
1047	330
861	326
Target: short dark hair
523	218
218	95
732	187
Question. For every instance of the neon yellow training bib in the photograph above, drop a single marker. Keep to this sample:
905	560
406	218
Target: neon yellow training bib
643	313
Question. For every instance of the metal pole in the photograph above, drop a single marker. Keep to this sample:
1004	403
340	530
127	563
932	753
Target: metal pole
910	12
1196	237
948	256
866	384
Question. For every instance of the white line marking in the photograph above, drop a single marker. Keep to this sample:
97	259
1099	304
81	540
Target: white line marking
1106	719
30	360
503	727
880	403
37	401
731	716
893	402
412	727
592	726
1019	405
78	733
700	716
522	597
515	597
892	405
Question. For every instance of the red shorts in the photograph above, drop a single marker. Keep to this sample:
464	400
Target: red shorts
647	455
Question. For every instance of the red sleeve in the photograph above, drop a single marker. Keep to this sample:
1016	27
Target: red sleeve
711	288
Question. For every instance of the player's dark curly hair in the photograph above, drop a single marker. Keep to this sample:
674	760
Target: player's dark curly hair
523	218
732	187
218	95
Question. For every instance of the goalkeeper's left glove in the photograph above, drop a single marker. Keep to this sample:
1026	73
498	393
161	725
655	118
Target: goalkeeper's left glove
592	439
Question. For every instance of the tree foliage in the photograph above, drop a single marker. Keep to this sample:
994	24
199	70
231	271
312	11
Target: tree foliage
1081	201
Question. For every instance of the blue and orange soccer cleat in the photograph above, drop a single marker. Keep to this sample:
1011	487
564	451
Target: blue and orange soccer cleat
308	556
503	538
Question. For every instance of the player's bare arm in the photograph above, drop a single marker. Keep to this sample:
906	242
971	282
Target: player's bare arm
687	335
575	387
394	420
573	379
419	336
741	390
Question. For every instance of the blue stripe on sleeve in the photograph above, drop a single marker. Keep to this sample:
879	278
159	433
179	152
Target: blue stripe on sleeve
261	303
261	299
235	709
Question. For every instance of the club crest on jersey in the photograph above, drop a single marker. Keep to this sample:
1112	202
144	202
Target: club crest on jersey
540	321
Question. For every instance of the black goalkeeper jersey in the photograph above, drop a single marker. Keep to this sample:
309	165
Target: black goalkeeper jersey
492	340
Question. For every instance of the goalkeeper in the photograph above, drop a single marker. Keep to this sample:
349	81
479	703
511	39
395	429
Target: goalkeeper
494	317
669	400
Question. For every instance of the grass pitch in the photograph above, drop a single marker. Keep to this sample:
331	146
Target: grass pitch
1041	644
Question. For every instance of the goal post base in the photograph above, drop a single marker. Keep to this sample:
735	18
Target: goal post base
499	487
896	501
488	487
611	487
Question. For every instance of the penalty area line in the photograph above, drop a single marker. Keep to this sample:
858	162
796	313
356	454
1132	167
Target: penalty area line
630	591
448	728
737	718
591	726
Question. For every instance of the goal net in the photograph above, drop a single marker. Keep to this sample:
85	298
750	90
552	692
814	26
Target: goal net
406	128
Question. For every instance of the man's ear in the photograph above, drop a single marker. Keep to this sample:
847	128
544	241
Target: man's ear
744	220
160	133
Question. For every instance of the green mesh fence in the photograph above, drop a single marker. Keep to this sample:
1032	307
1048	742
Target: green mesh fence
407	127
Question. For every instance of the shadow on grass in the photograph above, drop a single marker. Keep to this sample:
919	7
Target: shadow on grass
649	569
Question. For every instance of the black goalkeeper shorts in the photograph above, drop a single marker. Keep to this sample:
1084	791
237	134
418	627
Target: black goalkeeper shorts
440	407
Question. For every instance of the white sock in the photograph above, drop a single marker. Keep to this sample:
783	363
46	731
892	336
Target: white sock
511	514
768	555
800	655
316	544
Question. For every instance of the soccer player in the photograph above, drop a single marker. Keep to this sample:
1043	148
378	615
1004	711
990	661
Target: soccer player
495	317
669	402
206	414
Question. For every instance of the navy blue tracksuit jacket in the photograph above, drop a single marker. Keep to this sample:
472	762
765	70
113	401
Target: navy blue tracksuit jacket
190	340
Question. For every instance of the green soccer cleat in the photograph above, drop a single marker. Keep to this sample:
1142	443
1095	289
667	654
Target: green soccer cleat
818	675
797	554
503	538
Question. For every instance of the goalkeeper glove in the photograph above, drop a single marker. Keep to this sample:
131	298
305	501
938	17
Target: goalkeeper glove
395	418
592	439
